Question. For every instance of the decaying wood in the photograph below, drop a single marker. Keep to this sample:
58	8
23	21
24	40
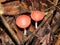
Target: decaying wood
15	8
44	34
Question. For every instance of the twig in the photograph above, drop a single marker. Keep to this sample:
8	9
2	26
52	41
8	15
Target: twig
55	28
49	20
55	2
57	22
19	34
50	2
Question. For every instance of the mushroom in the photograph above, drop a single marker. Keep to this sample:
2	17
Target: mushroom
37	15
23	21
